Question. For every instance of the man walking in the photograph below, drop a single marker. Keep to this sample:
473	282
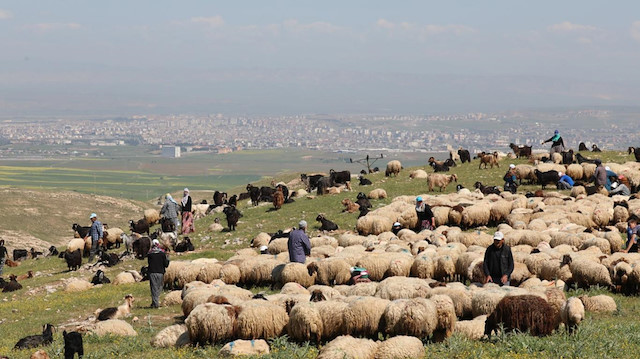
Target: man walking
95	232
299	245
158	260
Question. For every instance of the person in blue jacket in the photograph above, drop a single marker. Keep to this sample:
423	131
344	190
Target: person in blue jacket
565	182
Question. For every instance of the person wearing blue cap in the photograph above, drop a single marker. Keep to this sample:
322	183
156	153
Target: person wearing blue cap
95	232
426	220
298	244
557	144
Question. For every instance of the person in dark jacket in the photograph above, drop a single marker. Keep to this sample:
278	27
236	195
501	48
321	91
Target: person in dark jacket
299	245
557	144
95	232
426	220
510	179
158	260
600	176
3	255
498	261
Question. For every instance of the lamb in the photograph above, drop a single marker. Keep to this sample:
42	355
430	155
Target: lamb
364	181
108	259
440	180
152	216
327	225
350	206
595	148
114	313
525	313
12	285
245	348
486	190
572	313
33	341
73	259
363	201
140	227
35	254
491	159
278	198
53	251
72	344
378	193
393	168
233	215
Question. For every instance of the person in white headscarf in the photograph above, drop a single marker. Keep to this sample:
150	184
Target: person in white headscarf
170	210
187	216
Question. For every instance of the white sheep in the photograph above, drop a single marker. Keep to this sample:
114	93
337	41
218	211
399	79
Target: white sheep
393	168
152	216
113	327
572	313
440	180
173	336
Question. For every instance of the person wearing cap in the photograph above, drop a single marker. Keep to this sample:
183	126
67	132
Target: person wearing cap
498	261
264	249
298	244
170	210
510	179
157	260
600	176
426	220
396	228
565	181
187	216
557	144
95	232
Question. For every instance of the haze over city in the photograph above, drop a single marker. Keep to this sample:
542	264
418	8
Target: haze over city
77	58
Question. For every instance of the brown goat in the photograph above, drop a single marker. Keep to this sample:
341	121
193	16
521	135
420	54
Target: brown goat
278	198
491	159
525	313
25	276
350	206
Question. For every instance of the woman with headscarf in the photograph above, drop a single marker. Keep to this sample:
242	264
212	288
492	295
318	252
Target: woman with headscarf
557	144
170	210
187	216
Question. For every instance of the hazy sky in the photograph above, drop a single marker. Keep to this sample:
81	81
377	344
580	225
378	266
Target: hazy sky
283	57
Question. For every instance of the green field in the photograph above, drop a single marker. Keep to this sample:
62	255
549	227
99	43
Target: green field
23	312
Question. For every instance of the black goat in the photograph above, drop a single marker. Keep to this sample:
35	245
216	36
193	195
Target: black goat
636	152
581	159
12	285
323	185
567	157
595	148
548	177
266	194
185	245
363	201
311	182
141	226
53	251
141	247
364	181
108	259
144	272
520	151
363	211
233	200
327	225
465	156
232	217
254	194
72	344
100	278
82	231
219	197
341	177
35	254
3	283
19	254
439	167
73	259
450	163
582	147
34	341
167	224
487	189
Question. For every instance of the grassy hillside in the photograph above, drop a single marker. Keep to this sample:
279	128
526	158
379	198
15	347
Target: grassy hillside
43	300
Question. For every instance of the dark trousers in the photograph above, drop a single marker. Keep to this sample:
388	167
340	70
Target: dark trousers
93	251
155	282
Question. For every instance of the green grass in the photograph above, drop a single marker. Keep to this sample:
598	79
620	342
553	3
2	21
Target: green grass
23	312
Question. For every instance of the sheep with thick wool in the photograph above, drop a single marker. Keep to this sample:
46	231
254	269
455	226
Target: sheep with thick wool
75	244
440	180
152	216
418	174
363	314
393	168
446	314
377	193
332	271
417	317
305	322
173	336
262	239
525	313
402	288
587	273
599	303
572	313
260	319
348	347
373	224
423	267
471	329
476	215
113	327
293	272
483	302
230	273
171	272
400	347
210	323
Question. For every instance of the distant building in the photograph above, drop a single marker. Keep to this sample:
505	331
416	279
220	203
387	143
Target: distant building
171	151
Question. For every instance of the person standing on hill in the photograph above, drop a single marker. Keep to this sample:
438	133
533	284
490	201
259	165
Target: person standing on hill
95	232
158	260
3	255
557	144
498	261
170	210
187	216
600	176
298	244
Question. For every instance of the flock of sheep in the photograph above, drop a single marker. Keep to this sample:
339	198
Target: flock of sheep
417	288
